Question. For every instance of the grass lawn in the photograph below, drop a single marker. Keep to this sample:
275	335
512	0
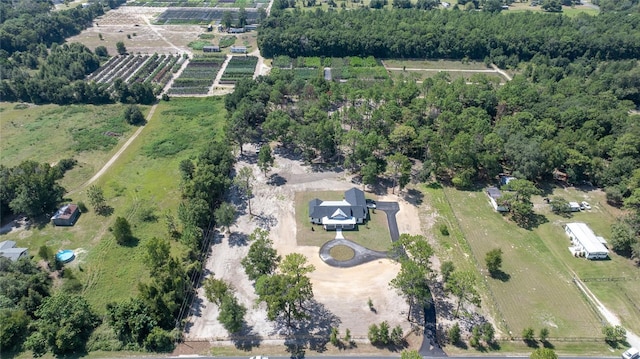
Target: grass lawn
436	64
49	133
342	253
146	177
619	296
374	234
538	291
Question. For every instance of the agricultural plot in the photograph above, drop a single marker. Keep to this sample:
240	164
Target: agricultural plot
420	70
202	16
197	78
339	68
534	274
239	67
155	69
200	3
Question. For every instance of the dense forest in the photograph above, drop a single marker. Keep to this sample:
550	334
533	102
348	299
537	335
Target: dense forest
505	39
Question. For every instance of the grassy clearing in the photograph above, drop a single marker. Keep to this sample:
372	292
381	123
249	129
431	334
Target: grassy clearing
617	295
468	76
342	253
374	234
137	181
566	10
436	64
50	133
534	273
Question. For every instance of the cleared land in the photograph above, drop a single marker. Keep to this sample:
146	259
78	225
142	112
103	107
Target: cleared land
421	70
145	178
90	134
533	273
374	234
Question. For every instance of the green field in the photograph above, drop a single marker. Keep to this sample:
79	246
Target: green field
49	133
536	278
374	234
146	177
436	64
468	76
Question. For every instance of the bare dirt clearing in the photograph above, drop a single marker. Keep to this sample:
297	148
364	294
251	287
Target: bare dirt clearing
121	24
341	294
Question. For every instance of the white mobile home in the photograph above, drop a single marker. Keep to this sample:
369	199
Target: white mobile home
584	241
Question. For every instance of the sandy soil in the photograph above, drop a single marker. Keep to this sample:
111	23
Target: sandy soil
116	24
342	294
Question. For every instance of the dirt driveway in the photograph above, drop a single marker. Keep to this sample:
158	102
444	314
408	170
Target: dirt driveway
342	293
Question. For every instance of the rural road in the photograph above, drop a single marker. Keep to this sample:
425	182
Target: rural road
501	72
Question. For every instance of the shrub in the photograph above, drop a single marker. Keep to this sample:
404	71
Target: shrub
444	230
397	336
122	231
374	334
333	338
544	334
454	334
82	207
159	340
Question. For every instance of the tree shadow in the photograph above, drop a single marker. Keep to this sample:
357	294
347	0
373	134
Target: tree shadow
547	344
131	242
237	239
276	180
531	343
500	275
311	333
196	306
265	221
245	339
414	197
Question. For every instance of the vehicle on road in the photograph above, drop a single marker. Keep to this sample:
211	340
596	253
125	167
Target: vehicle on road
631	353
371	204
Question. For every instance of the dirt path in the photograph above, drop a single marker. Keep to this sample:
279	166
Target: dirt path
155	30
115	157
502	72
261	68
632	338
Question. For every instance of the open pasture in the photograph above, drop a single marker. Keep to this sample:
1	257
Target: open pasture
90	134
142	186
536	289
616	281
374	234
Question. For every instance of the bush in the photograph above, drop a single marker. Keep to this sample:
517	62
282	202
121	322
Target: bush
159	340
333	338
133	115
454	334
122	231
82	207
397	336
444	230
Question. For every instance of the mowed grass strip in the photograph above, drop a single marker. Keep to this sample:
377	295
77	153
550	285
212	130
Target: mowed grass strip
49	133
374	234
538	291
436	64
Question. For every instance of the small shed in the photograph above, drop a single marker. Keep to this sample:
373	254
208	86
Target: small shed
494	195
236	30
8	250
251	27
574	206
66	215
211	49
238	49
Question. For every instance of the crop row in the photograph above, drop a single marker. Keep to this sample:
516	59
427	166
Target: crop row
198	76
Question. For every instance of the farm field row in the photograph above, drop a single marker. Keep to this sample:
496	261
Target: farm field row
239	67
202	16
199	3
199	75
339	68
155	69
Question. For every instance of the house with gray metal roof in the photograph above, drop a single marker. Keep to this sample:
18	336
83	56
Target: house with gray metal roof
8	250
345	214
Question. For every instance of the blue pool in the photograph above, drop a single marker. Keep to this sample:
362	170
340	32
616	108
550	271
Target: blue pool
65	256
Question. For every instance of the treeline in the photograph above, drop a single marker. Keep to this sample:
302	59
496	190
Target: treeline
25	24
505	39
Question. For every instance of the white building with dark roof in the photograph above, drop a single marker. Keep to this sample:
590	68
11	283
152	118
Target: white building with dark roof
344	214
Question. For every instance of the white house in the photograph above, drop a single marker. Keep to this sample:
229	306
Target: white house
584	241
8	250
494	194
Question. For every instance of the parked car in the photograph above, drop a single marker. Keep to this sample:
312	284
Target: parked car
631	353
585	205
356	180
371	203
259	357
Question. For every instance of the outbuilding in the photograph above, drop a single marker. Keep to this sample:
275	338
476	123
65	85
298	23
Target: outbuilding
9	250
494	195
211	49
584	242
66	215
238	49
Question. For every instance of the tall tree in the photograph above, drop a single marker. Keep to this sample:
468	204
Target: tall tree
225	215
216	289
265	159
122	231
122	50
462	284
244	181
231	314
131	320
399	168
295	267
411	282
96	199
262	259
157	254
543	353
